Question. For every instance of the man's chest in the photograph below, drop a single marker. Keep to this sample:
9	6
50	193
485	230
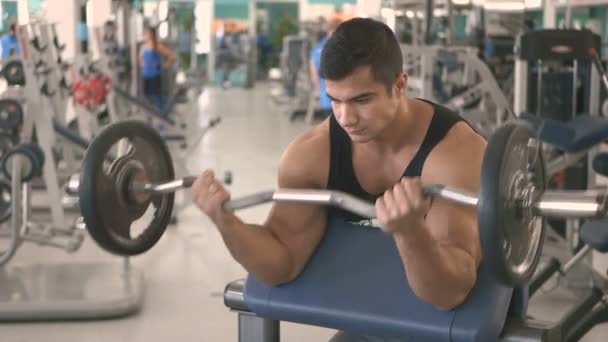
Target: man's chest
376	173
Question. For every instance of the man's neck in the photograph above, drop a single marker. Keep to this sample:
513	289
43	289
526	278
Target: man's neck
400	133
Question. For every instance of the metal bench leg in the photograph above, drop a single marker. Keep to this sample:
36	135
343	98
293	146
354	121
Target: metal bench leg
256	329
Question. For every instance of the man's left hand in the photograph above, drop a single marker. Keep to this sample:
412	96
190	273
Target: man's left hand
403	206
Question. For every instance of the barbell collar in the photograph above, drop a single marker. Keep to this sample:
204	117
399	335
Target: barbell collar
571	204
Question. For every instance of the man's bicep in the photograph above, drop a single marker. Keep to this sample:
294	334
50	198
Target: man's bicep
458	168
455	225
299	227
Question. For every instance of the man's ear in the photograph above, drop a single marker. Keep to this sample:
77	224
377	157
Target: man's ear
401	83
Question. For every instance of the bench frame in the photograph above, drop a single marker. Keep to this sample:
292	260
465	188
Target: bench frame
252	328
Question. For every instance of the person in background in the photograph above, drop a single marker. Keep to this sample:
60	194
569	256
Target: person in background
10	43
109	37
315	65
321	34
154	57
264	46
225	58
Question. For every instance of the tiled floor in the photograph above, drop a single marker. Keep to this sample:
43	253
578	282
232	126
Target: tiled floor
186	272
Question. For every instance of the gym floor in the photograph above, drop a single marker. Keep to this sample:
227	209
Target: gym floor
186	272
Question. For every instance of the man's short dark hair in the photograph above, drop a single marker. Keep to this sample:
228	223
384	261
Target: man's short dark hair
359	42
12	27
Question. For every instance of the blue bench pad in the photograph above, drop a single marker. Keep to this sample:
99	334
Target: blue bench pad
595	234
355	281
580	134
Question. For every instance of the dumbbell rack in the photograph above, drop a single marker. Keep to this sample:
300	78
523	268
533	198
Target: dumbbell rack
107	67
57	92
59	291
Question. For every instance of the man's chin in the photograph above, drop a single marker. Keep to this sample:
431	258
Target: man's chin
360	138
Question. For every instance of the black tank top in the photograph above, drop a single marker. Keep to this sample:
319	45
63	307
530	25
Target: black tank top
342	175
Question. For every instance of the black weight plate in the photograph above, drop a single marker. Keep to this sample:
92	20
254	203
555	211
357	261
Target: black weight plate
110	211
5	201
511	237
108	219
11	114
114	213
30	167
13	73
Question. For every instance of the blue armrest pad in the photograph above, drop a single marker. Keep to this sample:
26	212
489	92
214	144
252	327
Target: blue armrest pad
595	234
581	133
600	163
355	281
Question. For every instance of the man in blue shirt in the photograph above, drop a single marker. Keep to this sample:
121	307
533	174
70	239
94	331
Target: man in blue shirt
10	43
315	65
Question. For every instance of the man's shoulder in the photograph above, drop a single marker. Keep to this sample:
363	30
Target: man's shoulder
307	156
461	139
431	106
313	141
458	156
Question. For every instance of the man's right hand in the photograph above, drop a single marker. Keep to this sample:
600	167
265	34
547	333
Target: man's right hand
210	195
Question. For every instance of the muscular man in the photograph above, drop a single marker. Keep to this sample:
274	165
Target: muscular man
378	145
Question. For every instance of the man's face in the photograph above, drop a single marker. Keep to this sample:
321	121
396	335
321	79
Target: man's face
362	105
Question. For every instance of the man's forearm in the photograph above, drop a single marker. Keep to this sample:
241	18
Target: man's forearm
440	274
258	250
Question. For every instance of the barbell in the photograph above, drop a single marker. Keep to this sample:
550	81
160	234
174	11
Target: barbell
511	205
